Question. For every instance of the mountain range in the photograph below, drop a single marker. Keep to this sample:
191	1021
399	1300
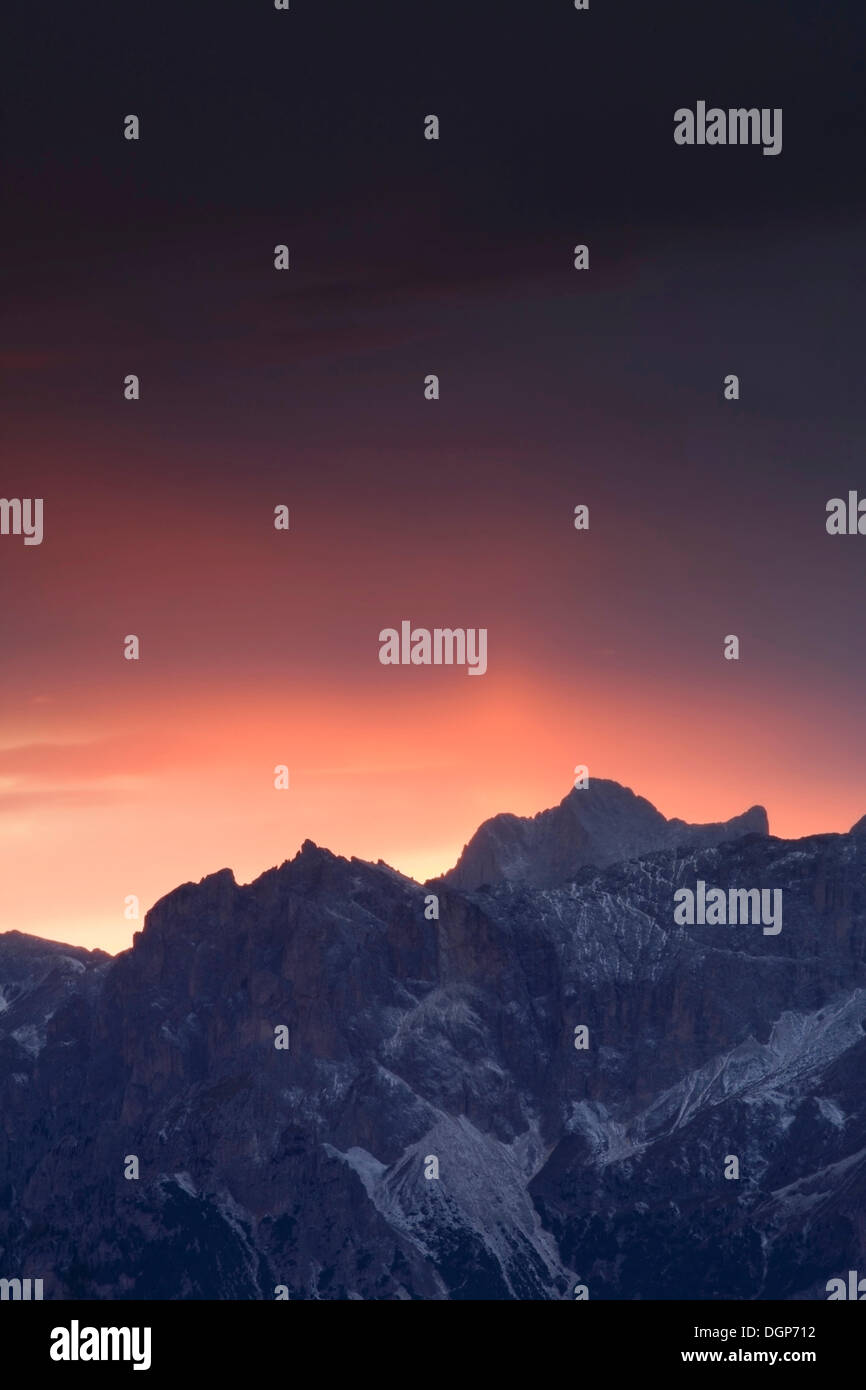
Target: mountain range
306	1170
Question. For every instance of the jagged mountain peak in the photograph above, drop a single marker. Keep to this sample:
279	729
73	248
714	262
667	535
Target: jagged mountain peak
599	825
287	1057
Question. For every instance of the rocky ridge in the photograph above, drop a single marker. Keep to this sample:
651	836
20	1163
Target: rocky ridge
452	1038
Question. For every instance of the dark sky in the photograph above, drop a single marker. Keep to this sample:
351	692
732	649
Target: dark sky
550	117
558	387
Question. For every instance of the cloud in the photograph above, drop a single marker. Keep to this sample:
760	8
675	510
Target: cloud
52	775
46	798
84	761
22	360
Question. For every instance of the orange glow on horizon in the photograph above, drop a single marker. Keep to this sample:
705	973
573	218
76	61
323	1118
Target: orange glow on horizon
136	796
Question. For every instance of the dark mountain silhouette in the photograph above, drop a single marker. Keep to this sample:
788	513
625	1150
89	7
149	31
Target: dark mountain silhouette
601	824
413	1039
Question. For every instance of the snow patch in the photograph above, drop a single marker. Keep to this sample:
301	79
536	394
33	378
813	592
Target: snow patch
830	1111
30	1039
368	1168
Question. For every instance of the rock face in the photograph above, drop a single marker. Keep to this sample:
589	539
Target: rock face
450	1039
599	825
